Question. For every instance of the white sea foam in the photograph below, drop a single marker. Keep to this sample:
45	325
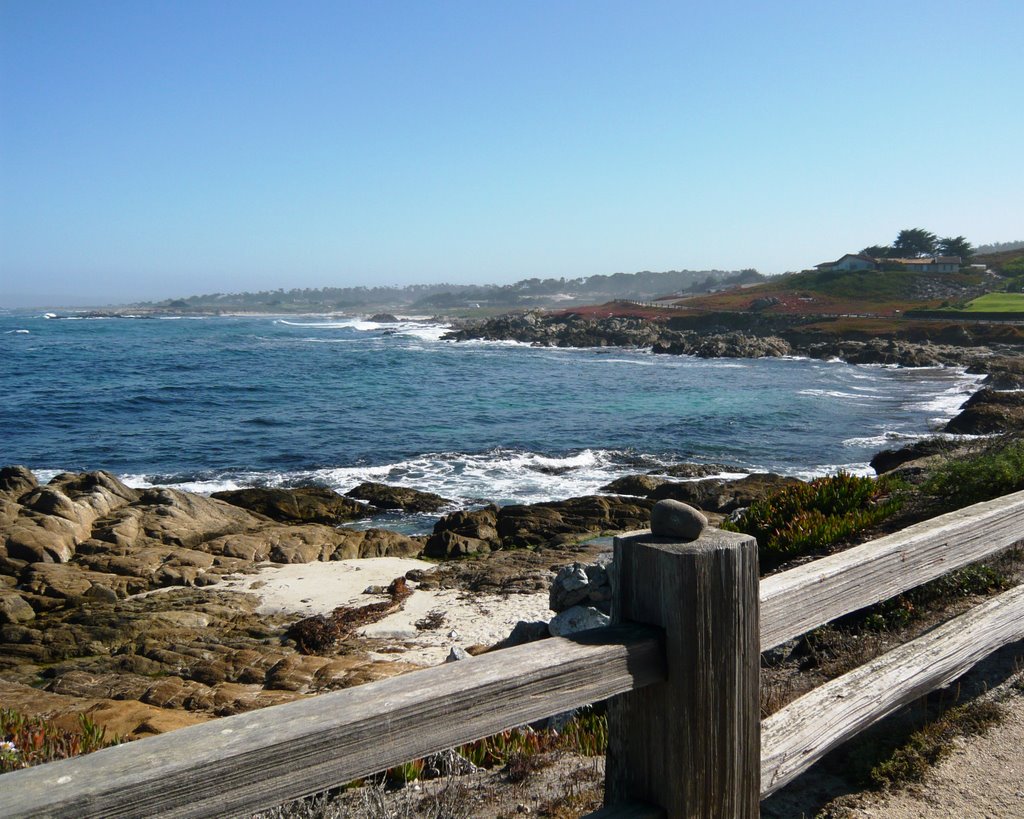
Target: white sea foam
499	476
885	439
946	403
821	470
427	332
199	487
831	394
635	361
343	324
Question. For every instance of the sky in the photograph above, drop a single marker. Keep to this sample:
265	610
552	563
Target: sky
163	149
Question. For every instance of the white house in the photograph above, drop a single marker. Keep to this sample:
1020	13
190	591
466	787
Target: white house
851	261
931	264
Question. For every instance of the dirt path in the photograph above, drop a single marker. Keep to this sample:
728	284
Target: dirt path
983	777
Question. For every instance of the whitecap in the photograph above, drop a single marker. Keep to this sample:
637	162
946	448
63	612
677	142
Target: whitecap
860	468
947	403
830	394
426	332
884	439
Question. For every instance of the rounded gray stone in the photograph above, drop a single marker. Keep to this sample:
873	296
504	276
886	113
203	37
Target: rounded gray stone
675	519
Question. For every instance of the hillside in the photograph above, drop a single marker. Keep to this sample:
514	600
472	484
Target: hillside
535	292
882	293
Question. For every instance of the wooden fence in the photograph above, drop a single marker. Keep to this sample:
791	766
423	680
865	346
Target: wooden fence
680	664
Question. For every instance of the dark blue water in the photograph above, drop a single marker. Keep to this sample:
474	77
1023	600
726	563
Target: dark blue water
220	402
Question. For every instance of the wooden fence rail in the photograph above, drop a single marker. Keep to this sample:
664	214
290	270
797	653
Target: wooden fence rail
690	742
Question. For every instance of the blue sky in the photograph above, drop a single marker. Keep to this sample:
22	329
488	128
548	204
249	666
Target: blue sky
157	149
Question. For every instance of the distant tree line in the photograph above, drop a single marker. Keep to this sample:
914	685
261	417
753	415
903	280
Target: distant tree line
1000	247
914	243
644	285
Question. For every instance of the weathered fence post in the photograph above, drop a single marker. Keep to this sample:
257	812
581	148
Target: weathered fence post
691	744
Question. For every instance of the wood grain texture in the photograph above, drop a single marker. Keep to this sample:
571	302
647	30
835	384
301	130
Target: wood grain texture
239	764
800	599
800	734
691	744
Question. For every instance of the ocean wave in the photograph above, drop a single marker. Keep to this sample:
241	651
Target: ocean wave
635	361
862	468
345	324
831	394
947	403
498	476
426	332
885	439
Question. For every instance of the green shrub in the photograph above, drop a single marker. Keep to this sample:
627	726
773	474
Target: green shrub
997	469
811	516
899	611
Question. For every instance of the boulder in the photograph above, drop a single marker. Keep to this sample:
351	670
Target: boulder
580	584
739	345
14	608
308	504
689	470
464	533
453	545
639	485
16	481
889	459
989	411
183	519
556	522
577	618
677	520
398	497
723	496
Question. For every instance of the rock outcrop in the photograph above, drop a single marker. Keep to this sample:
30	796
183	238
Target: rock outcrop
75	554
384	496
520	526
989	411
741	335
307	504
722	496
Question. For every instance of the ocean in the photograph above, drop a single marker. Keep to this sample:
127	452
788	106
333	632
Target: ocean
205	404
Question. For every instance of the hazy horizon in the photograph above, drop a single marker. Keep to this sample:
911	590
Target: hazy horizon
160	151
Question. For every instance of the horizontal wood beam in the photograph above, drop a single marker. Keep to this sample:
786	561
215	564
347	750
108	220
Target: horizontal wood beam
796	601
243	763
800	734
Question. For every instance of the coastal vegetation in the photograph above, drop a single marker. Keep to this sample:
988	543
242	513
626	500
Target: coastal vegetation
533	292
26	741
995	468
811	516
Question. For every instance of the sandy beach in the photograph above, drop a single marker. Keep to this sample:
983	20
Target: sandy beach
463	619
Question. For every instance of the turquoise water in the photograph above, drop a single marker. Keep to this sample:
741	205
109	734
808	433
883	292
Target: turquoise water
222	402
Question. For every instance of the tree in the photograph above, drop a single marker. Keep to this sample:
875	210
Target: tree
877	251
913	242
958	246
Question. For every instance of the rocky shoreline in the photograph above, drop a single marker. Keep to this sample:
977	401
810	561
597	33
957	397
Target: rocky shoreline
119	602
720	337
127	604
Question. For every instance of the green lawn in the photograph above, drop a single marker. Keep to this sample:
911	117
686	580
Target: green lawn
997	303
